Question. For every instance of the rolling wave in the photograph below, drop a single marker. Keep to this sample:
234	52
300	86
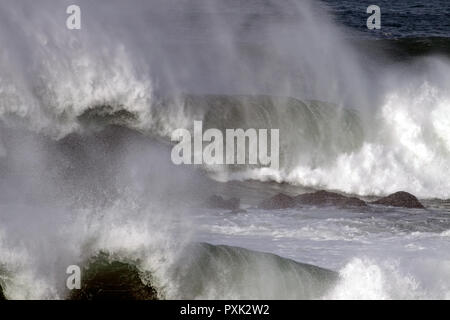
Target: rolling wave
351	124
204	271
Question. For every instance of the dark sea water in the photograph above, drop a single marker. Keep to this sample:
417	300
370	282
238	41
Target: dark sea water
399	19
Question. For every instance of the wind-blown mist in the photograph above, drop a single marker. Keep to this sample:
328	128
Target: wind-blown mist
73	185
132	56
127	53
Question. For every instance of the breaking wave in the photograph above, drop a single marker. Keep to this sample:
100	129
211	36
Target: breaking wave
203	271
378	122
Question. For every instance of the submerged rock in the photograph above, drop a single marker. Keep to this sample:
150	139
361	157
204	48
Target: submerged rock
238	211
218	202
326	198
279	201
103	279
400	199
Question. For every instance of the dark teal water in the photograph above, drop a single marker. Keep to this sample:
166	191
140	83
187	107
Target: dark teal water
399	18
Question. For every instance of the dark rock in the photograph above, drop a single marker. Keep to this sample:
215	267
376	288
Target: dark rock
400	199
354	202
325	198
239	211
103	279
280	201
218	202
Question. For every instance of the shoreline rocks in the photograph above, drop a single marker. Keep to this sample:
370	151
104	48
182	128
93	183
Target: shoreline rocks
326	198
217	202
237	211
319	198
400	199
279	201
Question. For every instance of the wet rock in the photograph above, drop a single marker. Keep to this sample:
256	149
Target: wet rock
326	198
400	199
238	211
279	201
106	279
218	202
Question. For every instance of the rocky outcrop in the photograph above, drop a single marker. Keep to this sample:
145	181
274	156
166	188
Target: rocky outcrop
217	202
238	211
105	279
279	201
319	198
400	199
325	198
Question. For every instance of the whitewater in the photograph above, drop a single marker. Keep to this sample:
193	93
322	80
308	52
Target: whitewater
86	118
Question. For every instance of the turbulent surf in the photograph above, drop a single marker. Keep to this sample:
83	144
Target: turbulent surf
86	178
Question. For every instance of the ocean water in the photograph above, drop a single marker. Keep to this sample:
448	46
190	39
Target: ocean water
86	118
400	19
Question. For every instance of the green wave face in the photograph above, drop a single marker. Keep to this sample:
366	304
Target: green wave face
205	271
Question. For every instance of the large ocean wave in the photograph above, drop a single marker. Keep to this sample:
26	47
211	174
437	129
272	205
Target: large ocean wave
381	129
